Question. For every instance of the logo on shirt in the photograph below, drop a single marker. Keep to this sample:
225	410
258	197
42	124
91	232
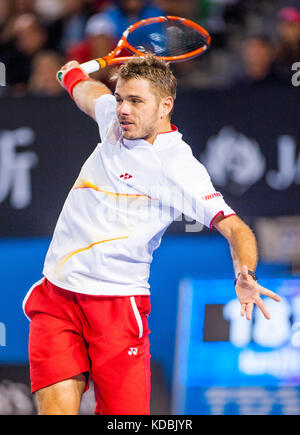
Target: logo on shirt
126	176
211	196
132	351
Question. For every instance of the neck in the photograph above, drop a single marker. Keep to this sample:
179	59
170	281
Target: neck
164	128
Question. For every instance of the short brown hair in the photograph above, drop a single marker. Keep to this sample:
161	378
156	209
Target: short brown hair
151	68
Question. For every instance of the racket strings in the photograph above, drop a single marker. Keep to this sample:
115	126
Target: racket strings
166	39
182	40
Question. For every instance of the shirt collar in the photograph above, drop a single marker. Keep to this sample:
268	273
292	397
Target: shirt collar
161	138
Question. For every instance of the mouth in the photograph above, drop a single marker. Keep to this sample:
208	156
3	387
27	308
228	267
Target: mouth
125	124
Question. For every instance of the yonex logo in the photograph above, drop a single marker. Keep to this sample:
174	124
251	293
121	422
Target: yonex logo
132	351
126	176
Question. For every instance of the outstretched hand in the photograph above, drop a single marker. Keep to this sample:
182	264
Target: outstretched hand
249	293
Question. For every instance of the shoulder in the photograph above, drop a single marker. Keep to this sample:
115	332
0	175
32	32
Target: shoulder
178	152
105	114
104	103
180	165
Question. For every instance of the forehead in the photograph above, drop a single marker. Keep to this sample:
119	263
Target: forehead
141	87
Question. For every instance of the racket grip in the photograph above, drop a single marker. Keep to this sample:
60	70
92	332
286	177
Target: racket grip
93	65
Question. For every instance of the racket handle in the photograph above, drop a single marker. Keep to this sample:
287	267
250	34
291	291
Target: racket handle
93	65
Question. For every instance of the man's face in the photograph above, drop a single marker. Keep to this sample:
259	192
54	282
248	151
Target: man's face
138	109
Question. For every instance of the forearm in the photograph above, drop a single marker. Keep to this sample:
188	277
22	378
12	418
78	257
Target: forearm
81	87
243	248
86	93
242	242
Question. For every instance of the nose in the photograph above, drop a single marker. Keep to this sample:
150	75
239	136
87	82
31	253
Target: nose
124	108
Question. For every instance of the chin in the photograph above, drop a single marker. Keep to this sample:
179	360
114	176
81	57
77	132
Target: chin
134	136
129	136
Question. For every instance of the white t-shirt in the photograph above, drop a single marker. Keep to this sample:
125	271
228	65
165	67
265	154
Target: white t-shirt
128	192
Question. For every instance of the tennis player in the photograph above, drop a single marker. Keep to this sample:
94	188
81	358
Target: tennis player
89	313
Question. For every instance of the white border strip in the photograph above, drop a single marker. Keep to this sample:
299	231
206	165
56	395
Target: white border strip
137	316
29	293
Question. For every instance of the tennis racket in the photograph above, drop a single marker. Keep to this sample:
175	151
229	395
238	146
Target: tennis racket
169	38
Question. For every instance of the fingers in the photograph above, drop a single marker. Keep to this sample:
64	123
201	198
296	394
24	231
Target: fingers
243	309
270	294
66	67
250	295
263	308
69	65
247	309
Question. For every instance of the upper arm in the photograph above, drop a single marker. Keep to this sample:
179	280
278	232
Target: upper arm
105	115
86	93
196	196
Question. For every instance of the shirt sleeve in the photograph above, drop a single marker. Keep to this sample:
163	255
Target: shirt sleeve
191	190
105	113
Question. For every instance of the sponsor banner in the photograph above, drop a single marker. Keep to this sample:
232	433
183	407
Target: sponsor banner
249	141
248	138
225	364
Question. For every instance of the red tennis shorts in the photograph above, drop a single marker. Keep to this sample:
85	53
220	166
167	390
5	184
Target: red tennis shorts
71	333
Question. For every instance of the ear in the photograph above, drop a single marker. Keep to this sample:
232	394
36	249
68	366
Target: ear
166	106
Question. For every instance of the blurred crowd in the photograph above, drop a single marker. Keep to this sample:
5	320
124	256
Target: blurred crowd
253	41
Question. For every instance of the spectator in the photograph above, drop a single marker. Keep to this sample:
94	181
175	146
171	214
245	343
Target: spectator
116	18
69	29
288	26
29	37
99	41
258	55
5	13
13	9
100	5
24	6
178	8
49	10
42	81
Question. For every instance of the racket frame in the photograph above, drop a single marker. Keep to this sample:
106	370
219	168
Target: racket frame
112	59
